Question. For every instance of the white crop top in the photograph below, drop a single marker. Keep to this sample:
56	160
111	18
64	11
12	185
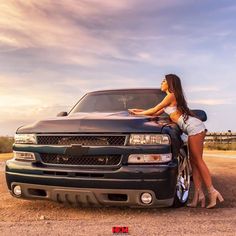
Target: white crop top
170	109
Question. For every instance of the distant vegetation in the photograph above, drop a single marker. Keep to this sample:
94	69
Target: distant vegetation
6	144
221	141
220	146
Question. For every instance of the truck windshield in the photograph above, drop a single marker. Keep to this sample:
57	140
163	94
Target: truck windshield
114	101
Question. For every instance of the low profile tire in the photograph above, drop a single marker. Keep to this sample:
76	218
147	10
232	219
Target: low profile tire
183	180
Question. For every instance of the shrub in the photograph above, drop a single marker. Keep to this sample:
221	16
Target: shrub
220	146
6	144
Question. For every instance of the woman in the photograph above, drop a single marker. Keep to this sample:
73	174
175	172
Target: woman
175	105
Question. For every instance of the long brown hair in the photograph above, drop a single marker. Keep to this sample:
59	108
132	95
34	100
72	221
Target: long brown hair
175	87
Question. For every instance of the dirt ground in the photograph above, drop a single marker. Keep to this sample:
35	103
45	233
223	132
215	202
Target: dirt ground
23	217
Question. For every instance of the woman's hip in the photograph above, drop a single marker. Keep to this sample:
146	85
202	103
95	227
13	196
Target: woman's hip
191	126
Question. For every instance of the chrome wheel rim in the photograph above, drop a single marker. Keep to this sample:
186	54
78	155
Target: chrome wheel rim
183	181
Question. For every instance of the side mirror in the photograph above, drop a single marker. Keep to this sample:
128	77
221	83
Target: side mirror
200	114
63	113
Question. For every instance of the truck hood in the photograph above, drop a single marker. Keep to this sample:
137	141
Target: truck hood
96	123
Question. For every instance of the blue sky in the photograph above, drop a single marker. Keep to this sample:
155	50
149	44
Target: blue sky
52	52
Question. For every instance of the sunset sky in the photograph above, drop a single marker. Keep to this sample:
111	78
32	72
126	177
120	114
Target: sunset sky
52	52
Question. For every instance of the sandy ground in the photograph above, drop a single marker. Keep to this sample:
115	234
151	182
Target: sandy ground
23	217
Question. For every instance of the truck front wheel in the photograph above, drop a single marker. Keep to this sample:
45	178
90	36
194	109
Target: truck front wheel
183	180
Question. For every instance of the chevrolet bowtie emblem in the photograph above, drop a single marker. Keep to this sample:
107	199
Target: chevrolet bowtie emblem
76	150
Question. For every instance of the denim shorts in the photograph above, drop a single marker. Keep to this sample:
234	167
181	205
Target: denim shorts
191	126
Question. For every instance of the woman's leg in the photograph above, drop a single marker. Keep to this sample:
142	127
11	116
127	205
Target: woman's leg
195	143
197	180
196	147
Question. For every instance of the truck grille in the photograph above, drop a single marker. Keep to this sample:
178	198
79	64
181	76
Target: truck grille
96	160
83	140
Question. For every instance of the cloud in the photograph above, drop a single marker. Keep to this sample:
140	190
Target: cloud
14	101
57	28
208	88
52	52
86	33
212	102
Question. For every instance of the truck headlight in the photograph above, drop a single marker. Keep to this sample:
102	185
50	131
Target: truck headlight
25	138
149	139
149	158
24	156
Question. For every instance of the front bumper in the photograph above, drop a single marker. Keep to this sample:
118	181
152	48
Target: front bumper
95	184
92	197
131	180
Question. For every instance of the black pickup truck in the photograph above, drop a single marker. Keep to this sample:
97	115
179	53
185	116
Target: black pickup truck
99	154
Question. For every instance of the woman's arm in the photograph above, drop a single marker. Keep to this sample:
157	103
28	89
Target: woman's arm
165	102
158	112
135	110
